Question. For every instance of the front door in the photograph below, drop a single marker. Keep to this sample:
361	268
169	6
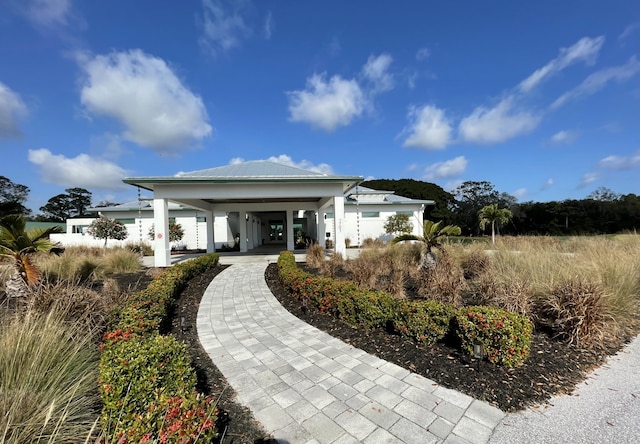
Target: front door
276	231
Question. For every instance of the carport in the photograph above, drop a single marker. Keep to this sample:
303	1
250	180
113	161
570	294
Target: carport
264	198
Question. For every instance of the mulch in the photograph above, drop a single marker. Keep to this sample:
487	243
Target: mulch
552	368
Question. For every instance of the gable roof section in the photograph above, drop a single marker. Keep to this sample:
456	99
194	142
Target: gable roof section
253	169
257	171
367	196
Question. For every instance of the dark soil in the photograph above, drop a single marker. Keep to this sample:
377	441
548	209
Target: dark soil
552	368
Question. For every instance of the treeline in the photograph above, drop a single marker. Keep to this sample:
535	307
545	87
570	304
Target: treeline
74	202
602	212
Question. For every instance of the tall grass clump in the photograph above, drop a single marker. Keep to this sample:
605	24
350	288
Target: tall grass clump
586	289
81	264
120	260
315	256
48	380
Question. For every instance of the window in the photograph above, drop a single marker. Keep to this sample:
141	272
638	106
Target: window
329	215
405	213
370	214
79	228
201	219
127	221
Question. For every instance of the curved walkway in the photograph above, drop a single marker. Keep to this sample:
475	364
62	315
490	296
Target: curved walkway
305	386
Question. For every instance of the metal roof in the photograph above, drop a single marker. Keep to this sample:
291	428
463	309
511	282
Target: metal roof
253	169
257	171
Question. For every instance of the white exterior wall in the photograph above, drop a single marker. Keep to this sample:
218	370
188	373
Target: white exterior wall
227	224
373	227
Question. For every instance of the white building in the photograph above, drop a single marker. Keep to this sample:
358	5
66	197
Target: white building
252	204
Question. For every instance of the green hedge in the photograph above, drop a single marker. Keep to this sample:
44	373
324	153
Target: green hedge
146	382
505	336
424	321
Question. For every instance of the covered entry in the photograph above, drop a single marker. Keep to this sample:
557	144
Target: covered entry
270	202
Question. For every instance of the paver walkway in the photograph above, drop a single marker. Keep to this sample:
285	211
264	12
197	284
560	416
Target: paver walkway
305	386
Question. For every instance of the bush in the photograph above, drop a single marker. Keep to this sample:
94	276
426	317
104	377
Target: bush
315	256
505	337
579	313
137	373
146	382
423	321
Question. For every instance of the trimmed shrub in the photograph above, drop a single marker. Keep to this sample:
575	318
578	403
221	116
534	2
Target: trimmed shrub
423	321
504	336
137	373
146	381
361	307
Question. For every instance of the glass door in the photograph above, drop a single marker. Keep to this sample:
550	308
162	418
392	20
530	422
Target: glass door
276	231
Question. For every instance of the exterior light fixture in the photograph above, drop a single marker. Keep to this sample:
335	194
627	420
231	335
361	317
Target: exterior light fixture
478	351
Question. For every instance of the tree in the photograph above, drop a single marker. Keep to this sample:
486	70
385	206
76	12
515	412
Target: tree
416	189
105	228
12	198
433	236
79	200
176	233
491	214
398	223
604	194
73	203
472	197
19	244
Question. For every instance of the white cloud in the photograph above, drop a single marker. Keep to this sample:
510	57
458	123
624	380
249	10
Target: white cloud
81	171
287	160
284	159
48	12
143	93
429	128
452	185
224	25
497	124
599	79
423	54
443	170
548	184
519	193
12	108
628	31
584	50
588	179
564	136
327	104
376	70
620	162
268	26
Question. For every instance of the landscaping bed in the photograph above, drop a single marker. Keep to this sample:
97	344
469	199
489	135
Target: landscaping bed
552	367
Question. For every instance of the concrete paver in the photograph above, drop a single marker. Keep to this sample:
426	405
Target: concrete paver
305	386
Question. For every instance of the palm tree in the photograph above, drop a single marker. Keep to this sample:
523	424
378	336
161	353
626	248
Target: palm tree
19	244
432	237
492	214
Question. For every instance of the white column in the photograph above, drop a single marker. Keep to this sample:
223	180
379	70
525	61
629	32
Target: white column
338	225
242	221
290	240
211	241
321	234
162	251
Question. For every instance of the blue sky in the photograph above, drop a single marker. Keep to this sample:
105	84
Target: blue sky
542	99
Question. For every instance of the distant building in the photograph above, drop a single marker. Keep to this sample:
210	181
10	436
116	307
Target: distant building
251	204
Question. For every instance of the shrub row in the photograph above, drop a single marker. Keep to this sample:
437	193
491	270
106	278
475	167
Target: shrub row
146	381
505	337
